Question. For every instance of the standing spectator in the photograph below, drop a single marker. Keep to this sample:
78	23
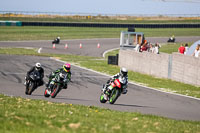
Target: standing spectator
156	48
186	48
144	46
137	47
181	49
197	51
151	48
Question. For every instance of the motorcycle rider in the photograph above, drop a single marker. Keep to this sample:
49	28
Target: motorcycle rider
123	78
38	68
56	41
65	70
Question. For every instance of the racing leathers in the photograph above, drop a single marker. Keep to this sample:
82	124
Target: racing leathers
123	80
65	81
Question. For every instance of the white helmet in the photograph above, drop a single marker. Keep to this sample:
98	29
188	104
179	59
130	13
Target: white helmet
38	65
123	71
58	37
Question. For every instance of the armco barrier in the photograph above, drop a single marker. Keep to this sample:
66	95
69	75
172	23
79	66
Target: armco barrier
10	23
111	25
178	67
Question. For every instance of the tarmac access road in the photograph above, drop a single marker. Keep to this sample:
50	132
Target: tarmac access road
86	85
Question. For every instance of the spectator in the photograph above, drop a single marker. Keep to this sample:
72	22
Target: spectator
151	48
186	48
197	51
137	47
156	48
181	49
144	47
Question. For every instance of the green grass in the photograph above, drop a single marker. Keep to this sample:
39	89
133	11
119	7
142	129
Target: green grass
21	115
101	65
172	47
15	33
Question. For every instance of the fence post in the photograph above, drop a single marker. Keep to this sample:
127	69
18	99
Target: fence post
170	66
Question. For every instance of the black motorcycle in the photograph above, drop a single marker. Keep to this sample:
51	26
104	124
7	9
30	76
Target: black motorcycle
171	40
32	82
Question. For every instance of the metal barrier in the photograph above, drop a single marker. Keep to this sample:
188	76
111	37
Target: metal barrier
111	25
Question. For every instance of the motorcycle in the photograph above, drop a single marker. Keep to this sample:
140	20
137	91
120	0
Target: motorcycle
171	40
32	83
55	85
116	90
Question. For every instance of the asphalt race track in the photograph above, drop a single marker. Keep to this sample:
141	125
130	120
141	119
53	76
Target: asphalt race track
86	85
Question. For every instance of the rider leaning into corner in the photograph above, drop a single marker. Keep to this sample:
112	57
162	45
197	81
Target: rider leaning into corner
65	70
123	78
38	68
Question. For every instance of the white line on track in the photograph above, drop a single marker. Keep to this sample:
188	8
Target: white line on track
104	54
39	50
131	82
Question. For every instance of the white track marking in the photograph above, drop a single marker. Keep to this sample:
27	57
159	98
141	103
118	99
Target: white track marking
104	54
130	82
39	50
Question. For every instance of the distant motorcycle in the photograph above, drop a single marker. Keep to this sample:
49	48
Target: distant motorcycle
114	94
32	83
55	85
171	39
56	41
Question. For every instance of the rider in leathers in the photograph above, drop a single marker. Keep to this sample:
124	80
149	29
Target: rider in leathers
65	70
123	78
38	68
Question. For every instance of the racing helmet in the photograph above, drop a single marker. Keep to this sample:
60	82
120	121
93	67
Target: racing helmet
37	66
58	38
123	71
66	67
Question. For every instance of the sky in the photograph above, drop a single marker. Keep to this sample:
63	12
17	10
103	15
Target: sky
130	7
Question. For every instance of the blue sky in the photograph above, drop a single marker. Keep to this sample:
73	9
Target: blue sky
104	6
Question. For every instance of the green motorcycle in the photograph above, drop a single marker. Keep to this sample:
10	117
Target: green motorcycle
56	85
116	90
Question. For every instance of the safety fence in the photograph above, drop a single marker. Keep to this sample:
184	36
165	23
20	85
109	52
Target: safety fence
103	25
111	25
10	23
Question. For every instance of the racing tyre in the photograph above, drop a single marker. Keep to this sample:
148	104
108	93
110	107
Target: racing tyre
114	95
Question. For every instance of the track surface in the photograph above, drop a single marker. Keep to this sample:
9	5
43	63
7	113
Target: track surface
86	85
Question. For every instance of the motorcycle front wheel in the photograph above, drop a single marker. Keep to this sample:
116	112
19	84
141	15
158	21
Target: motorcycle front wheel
56	89
30	87
114	95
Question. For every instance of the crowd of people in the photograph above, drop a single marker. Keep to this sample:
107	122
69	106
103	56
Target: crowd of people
197	51
183	49
147	46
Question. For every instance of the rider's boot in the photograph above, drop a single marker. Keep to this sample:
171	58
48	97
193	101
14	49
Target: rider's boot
124	91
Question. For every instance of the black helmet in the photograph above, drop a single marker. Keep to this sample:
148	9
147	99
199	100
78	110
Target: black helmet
123	71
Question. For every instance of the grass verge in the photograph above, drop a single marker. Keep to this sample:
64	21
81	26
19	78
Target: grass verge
21	115
49	33
100	65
